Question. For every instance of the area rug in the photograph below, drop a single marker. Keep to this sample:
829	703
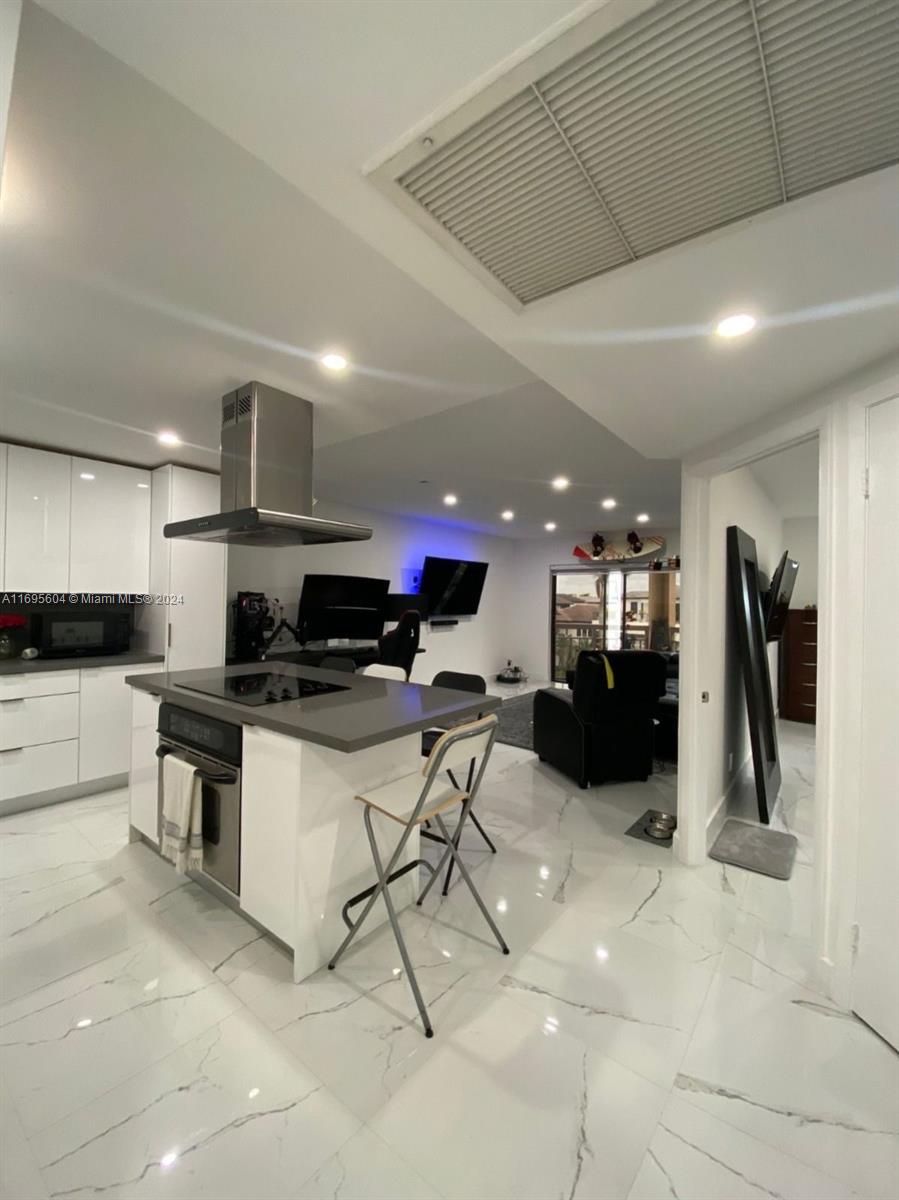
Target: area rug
516	722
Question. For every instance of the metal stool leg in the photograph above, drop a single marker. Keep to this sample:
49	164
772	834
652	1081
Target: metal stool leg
463	871
483	832
478	826
391	913
380	887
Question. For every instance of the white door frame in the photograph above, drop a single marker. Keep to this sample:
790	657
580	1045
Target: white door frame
839	422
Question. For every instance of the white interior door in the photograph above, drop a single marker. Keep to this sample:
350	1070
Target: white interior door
875	984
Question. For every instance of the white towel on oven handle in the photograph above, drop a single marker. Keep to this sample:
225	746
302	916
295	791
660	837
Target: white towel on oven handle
182	814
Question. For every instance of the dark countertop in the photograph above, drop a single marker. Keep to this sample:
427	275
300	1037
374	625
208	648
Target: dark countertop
370	712
22	666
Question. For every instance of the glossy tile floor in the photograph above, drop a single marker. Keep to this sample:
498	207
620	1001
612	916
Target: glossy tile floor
652	1034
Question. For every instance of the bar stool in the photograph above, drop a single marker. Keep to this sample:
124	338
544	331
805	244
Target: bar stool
383	671
460	682
410	802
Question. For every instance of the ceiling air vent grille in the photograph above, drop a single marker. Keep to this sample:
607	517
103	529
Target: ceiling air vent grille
693	114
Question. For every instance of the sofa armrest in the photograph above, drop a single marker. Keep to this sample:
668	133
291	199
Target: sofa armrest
560	737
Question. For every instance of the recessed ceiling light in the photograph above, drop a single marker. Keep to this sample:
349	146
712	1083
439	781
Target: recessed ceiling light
334	362
87	475
735	325
507	514
561	482
642	518
450	499
143	485
549	526
167	438
609	502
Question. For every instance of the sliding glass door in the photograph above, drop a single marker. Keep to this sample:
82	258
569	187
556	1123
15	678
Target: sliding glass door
612	608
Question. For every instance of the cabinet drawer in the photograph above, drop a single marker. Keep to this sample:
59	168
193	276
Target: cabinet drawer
38	720
38	769
802	674
40	683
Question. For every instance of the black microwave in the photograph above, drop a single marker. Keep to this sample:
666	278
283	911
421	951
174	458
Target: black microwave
68	633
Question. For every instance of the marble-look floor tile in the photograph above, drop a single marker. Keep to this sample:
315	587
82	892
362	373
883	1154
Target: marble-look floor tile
366	1168
212	931
634	1002
63	1045
357	1027
226	1115
689	912
20	1178
696	1156
72	926
803	1077
509	1089
39	848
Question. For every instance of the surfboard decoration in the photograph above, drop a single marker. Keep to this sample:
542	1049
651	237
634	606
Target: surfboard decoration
620	547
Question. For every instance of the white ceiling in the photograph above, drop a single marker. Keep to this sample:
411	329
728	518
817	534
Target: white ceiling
496	453
632	348
149	265
790	479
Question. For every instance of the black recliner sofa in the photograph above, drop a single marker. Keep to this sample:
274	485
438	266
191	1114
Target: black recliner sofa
603	727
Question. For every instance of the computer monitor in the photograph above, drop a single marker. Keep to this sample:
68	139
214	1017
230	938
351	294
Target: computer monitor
342	606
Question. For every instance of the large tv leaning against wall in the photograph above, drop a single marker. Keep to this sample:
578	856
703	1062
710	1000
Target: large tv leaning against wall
453	586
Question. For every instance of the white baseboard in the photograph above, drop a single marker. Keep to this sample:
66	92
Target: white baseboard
73	791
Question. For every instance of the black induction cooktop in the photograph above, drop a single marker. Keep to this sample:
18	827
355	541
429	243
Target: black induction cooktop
261	687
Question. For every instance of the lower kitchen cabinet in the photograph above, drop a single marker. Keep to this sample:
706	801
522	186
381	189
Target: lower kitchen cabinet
144	786
29	770
104	735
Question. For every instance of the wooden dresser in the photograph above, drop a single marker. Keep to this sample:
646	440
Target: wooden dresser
799	665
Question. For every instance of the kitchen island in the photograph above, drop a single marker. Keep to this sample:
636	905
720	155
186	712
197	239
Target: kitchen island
302	759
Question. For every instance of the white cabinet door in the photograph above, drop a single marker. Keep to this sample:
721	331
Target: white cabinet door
35	769
144	783
3	450
197	573
104	730
38	490
110	543
38	719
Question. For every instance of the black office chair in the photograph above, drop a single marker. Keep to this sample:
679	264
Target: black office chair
399	647
337	662
460	682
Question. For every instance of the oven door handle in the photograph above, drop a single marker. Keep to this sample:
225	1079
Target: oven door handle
223	778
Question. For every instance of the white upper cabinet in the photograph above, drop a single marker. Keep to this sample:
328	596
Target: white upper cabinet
110	540
38	490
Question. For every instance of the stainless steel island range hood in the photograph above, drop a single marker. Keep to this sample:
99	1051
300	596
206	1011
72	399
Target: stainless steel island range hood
266	497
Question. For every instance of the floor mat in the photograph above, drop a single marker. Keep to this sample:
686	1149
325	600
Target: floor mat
765	851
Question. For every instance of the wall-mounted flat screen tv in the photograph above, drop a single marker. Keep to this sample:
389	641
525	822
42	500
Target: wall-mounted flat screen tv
452	586
776	603
342	606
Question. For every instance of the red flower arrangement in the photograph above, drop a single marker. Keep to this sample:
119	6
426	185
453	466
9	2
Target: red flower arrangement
12	622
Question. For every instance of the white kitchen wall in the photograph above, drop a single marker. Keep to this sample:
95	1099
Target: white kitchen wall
736	499
396	551
801	539
10	16
528	618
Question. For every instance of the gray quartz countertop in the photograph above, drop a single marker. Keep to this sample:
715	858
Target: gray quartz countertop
21	666
371	710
